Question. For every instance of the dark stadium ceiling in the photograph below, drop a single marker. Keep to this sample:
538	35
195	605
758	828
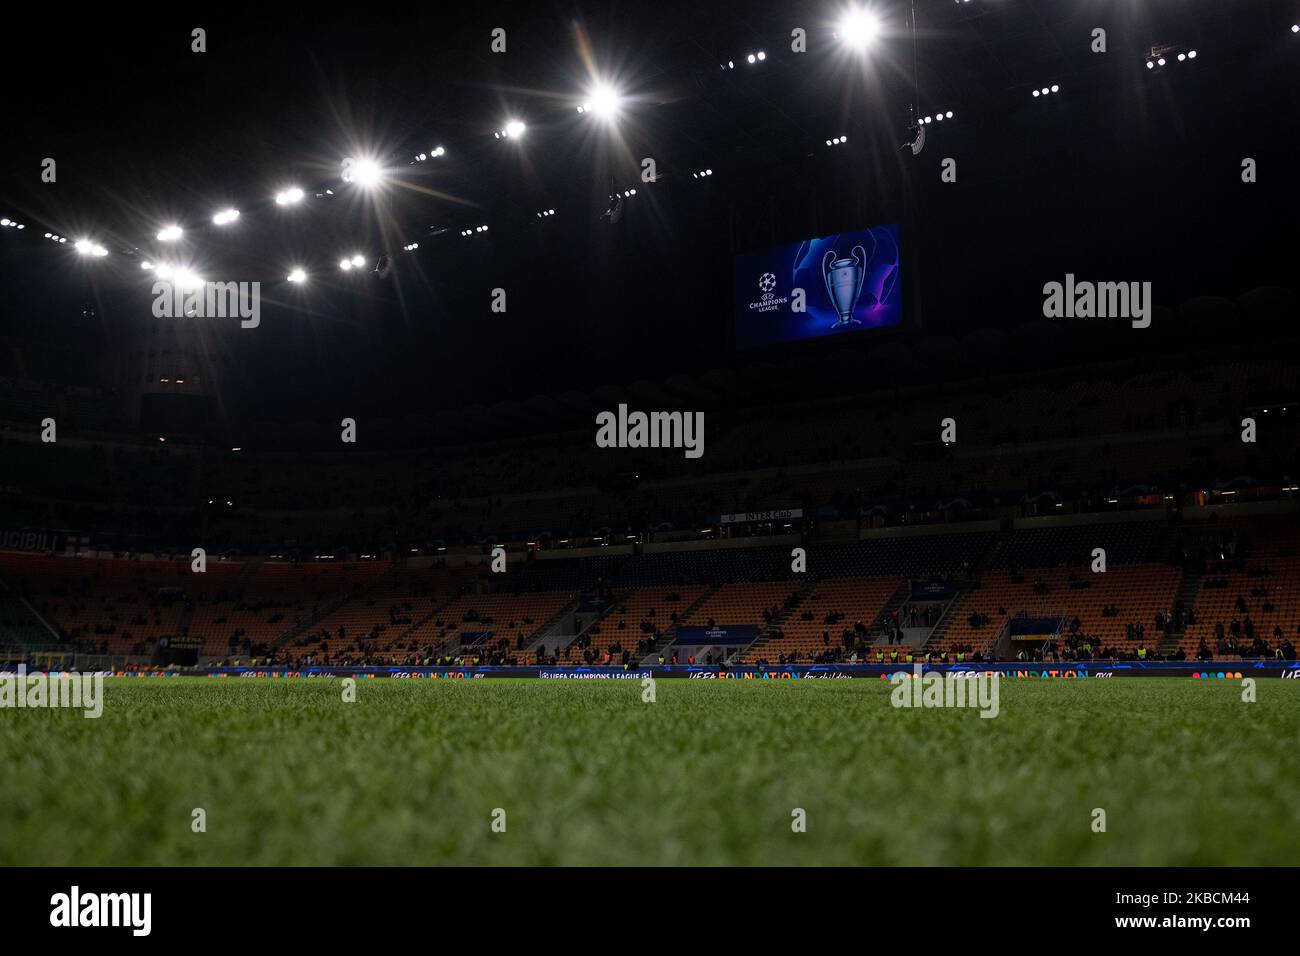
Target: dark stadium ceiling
147	133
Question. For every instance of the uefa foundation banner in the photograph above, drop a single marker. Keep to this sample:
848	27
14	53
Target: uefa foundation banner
847	282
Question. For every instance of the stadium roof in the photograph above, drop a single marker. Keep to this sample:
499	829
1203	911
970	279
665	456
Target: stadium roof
147	134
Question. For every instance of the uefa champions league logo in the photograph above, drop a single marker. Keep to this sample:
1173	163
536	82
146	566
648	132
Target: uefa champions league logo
768	300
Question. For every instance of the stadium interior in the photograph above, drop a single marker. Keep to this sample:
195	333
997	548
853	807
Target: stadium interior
605	435
830	517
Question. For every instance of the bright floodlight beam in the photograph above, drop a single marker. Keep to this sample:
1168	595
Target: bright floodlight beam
515	128
603	101
858	29
289	196
297	275
225	217
363	172
169	234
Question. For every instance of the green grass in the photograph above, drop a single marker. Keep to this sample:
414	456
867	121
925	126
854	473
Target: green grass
708	774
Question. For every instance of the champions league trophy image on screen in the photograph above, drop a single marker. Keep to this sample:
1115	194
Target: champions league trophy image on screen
858	269
844	283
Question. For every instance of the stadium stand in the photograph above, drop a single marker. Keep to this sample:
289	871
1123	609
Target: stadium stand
740	604
1081	441
710	566
1232	583
275	597
488	623
1128	543
916	556
1103	611
17	624
820	621
1247	602
121	607
636	622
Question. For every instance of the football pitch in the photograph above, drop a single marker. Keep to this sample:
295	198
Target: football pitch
501	772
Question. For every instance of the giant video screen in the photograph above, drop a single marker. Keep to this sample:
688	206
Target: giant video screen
827	286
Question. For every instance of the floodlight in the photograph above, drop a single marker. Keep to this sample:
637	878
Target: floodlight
604	101
363	172
858	29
